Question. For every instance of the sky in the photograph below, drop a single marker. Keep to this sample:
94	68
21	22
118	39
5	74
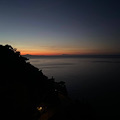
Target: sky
56	27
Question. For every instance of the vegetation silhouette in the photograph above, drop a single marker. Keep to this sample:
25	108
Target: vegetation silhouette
27	94
23	87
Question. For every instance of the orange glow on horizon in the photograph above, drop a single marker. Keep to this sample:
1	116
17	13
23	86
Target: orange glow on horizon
39	53
84	52
24	52
65	51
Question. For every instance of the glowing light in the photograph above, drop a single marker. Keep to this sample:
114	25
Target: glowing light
39	108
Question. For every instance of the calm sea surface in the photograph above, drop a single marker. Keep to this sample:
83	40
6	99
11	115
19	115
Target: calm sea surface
93	80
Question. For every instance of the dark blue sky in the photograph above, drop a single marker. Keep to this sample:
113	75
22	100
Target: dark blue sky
61	26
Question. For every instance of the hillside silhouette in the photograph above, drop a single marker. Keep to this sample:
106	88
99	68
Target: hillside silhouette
27	94
23	87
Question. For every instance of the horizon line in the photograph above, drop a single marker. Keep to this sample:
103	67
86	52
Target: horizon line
73	55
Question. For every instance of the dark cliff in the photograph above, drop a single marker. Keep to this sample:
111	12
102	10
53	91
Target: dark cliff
23	87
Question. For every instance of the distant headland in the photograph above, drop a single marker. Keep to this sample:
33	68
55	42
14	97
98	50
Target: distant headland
75	56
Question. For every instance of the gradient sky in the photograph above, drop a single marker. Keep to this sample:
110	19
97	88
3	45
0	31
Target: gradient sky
61	26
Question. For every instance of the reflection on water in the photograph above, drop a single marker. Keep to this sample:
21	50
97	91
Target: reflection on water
95	80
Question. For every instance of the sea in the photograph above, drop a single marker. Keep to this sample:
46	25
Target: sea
91	80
